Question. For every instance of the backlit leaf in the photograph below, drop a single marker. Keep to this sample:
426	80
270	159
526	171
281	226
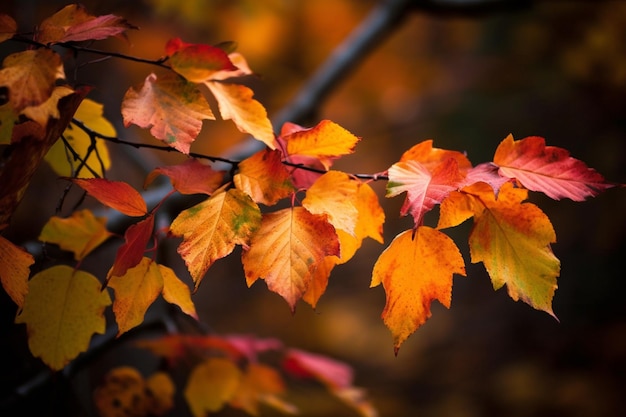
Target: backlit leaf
415	270
177	292
29	76
331	372
211	385
190	177
89	113
488	173
430	158
197	62
15	265
264	178
260	384
236	103
63	309
74	24
80	233
135	291
8	27
548	169
319	281
171	107
115	194
287	249
211	229
513	240
131	252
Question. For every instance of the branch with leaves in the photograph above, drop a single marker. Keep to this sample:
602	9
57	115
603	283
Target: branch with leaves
326	214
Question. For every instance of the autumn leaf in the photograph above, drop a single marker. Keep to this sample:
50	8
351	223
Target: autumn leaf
548	169
416	269
29	77
74	24
424	188
48	108
125	390
197	62
211	229
177	292
487	172
430	158
189	177
513	240
264	178
131	252
93	160
8	27
319	280
63	309
211	385
176	347
115	194
286	250
260	384
171	106
15	265
135	291
80	233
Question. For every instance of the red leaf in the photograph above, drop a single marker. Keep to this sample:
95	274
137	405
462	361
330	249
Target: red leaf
115	194
197	62
131	252
331	372
190	177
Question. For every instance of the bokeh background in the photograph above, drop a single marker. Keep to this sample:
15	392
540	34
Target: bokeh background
555	69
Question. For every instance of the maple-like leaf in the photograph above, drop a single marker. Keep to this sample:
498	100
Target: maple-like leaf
15	265
74	24
424	188
512	239
8	27
211	385
189	177
287	249
124	388
63	309
260	384
212	228
80	233
115	194
177	292
135	291
94	161
29	77
548	169
172	107
264	178
335	194
131	252
416	269
197	62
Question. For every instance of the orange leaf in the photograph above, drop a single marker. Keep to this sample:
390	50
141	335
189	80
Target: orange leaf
131	252
8	27
115	194
236	103
177	292
135	291
334	194
430	158
197	62
15	265
548	169
264	178
49	108
29	77
260	384
287	249
211	385
513	240
74	24
62	310
319	281
173	107
81	233
211	229
415	270
190	177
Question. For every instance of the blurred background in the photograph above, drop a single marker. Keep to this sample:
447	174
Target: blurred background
552	68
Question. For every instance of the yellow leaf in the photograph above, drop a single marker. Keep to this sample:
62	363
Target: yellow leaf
160	393
15	265
211	229
211	385
81	233
63	163
287	249
176	292
415	270
135	291
63	309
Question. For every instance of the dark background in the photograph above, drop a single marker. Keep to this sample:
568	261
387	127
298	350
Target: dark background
555	69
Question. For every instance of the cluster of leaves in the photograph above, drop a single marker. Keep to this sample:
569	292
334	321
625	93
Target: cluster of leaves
322	220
